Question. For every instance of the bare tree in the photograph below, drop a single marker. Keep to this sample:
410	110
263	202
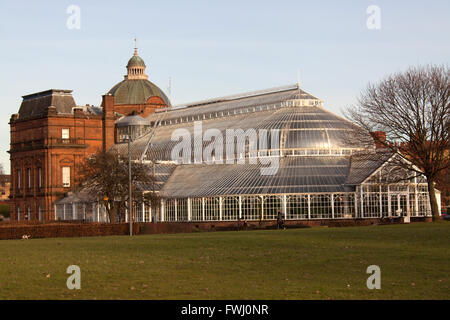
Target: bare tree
105	176
413	109
3	177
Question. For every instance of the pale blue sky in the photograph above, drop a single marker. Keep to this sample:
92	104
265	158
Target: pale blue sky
213	48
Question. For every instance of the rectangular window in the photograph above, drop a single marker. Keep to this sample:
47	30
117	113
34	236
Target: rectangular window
18	179
29	178
40	177
65	133
66	176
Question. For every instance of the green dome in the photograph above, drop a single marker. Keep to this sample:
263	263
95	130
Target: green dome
136	91
135	61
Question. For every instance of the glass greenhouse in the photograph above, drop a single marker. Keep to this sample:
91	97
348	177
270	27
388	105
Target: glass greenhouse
320	172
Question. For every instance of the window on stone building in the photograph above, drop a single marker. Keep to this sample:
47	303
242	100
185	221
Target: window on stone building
65	133
29	178
40	177
18	179
66	176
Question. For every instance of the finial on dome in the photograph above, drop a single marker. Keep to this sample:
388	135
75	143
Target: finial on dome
298	79
136	66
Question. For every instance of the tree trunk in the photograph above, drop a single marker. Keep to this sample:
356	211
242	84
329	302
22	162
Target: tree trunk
121	211
112	214
433	202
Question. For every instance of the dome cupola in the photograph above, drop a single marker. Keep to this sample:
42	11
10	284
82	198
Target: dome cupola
136	66
136	89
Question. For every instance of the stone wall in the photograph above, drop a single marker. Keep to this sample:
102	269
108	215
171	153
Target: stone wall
16	230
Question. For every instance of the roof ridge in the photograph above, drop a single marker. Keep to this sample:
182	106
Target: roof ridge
239	96
47	93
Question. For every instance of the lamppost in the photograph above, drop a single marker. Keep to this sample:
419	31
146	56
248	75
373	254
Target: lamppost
130	199
129	127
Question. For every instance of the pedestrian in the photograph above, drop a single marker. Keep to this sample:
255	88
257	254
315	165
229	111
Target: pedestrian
280	223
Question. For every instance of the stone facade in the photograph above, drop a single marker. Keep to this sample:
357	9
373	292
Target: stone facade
40	148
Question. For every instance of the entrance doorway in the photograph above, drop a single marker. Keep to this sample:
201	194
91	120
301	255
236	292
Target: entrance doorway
399	205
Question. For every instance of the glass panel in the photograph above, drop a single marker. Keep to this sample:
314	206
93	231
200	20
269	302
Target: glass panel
230	208
251	208
297	207
272	204
321	206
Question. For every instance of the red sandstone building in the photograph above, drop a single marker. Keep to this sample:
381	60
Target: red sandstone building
51	135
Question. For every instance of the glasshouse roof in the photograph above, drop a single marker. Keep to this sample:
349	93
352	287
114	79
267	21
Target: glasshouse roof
303	123
295	175
315	146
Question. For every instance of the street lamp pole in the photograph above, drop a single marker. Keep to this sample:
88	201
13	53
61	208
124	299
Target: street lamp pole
130	200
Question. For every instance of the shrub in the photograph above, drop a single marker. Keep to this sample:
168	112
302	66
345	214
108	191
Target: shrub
4	210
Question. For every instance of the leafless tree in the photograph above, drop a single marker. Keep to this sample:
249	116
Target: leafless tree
2	176
105	176
413	109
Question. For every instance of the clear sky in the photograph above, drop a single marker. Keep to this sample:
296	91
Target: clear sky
213	48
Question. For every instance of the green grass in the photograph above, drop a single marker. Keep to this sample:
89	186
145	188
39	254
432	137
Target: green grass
315	263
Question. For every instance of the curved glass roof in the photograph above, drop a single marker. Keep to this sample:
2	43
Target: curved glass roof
295	175
314	152
300	128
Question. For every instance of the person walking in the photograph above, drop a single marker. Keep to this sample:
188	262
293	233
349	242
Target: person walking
280	223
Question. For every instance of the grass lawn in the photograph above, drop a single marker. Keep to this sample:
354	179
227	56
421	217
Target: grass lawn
313	263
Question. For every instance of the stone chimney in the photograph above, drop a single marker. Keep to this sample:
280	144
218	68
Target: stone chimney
108	121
